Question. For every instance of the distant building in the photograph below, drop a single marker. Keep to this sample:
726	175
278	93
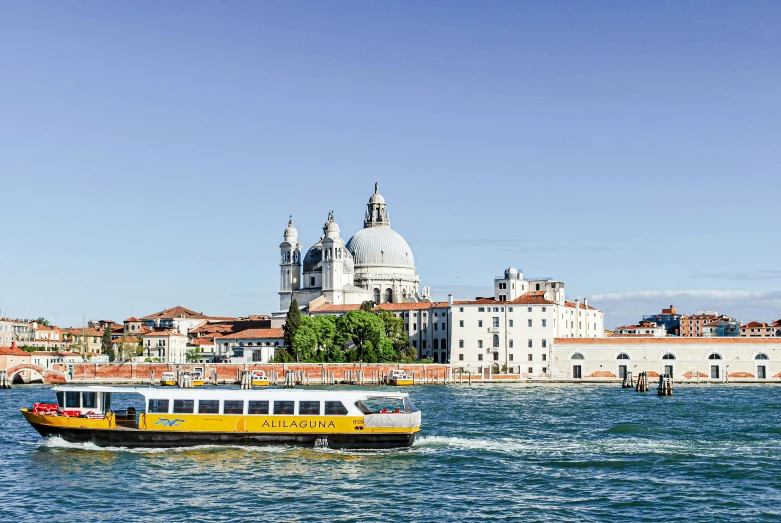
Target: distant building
668	318
645	328
249	346
6	332
179	318
754	329
694	326
167	346
12	356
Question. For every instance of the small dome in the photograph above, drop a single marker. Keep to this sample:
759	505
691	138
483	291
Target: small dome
313	258
377	197
511	271
380	246
331	226
290	230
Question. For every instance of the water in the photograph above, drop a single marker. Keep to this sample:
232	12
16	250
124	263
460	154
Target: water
500	452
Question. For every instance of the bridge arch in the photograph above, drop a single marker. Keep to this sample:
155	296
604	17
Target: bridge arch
47	375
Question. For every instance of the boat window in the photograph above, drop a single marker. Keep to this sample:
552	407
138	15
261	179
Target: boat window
309	407
284	407
234	407
184	406
61	399
106	401
335	408
258	407
89	400
381	405
208	406
158	406
72	399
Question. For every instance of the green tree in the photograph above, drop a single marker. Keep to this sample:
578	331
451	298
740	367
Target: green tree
394	329
366	331
106	344
193	355
367	306
292	323
42	321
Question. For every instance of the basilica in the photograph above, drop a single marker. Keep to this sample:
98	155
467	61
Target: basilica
376	264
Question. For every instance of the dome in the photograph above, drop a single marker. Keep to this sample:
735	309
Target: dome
290	230
511	271
349	263
380	246
377	197
313	257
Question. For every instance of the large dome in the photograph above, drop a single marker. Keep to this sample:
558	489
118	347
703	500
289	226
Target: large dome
380	246
313	257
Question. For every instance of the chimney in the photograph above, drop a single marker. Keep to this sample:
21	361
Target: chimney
450	300
13	344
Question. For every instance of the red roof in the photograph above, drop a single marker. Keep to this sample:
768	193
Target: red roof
182	312
13	351
202	341
754	324
132	318
255	333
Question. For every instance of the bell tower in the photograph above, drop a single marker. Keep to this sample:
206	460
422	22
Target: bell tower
289	266
376	214
333	261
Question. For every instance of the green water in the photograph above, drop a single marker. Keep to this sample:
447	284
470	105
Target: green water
498	452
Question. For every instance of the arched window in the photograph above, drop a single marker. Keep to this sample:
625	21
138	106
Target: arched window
496	340
714	356
225	345
276	344
241	344
388	295
538	286
760	356
376	295
668	356
623	356
436	344
268	343
443	344
577	356
436	359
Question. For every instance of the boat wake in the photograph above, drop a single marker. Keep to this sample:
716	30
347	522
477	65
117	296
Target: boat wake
56	443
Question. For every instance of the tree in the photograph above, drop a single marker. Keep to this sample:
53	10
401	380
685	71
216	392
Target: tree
394	329
193	355
128	349
42	321
292	323
106	344
366	331
367	306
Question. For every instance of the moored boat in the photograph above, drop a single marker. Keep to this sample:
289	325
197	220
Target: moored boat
399	377
168	379
259	378
197	379
185	417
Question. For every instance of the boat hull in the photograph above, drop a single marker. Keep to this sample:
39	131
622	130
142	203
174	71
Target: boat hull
170	439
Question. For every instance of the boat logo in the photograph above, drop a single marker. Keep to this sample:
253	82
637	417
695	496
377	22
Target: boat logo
169	422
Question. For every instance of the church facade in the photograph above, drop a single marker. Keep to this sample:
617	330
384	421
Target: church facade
375	264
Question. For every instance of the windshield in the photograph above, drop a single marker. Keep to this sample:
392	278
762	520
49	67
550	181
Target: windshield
383	405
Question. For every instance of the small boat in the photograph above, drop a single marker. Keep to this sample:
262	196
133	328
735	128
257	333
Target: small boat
399	377
197	378
168	379
175	417
259	378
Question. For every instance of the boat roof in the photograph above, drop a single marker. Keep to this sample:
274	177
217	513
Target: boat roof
274	394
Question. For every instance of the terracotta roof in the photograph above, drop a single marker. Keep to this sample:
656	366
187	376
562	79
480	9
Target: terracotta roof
582	305
412	306
130	339
164	332
532	299
753	324
666	340
176	312
13	351
132	318
254	333
202	341
330	307
478	301
77	331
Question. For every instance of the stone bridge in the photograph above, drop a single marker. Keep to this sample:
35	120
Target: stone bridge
47	375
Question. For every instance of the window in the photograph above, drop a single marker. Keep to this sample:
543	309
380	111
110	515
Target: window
424	344
544	309
479	344
443	326
479	323
511	357
511	344
284	407
623	356
577	356
460	323
529	309
461	357
531	370
509	309
234	407
496	356
415	344
496	322
511	323
208	406
159	406
668	356
530	344
335	408
544	323
311	408
460	344
435	327
481	309
544	357
496	309
460	309
184	406
89	400
531	358
714	356
479	357
544	343
530	323
761	356
259	407
496	340
72	399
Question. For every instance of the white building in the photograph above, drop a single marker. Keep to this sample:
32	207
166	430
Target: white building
376	264
167	346
645	328
6	332
250	346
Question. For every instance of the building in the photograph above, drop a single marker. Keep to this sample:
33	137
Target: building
249	346
694	325
691	358
166	346
645	328
722	327
179	318
84	340
6	332
375	264
668	318
754	329
13	356
46	337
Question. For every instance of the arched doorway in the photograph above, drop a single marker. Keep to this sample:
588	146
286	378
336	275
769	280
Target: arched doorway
577	368
668	368
436	358
761	367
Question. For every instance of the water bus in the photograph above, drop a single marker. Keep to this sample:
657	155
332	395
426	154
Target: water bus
259	378
399	377
174	417
168	379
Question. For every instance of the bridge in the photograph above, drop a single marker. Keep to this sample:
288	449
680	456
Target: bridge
47	375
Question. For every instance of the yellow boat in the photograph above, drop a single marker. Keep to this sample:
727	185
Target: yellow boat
399	378
197	379
259	378
175	417
168	379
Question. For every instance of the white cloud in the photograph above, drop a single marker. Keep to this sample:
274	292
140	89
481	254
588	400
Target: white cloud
708	294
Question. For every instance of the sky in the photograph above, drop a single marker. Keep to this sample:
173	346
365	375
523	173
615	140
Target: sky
151	152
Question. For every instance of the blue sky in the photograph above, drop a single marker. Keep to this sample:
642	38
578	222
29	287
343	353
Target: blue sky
150	153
